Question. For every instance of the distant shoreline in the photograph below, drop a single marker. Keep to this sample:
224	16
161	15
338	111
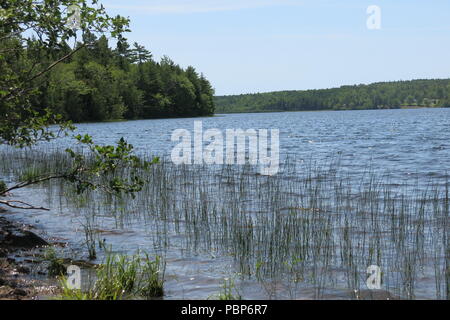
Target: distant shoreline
427	93
242	112
285	111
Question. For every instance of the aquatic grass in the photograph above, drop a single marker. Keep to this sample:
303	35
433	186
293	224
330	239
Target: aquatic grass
314	225
68	293
122	277
3	186
152	277
31	174
56	265
90	236
116	277
228	291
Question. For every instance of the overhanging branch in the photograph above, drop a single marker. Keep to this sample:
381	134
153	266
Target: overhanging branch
16	204
28	183
17	91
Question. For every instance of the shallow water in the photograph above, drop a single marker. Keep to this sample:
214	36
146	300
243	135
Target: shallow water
409	145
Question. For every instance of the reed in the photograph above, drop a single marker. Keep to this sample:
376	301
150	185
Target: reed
122	277
317	225
228	291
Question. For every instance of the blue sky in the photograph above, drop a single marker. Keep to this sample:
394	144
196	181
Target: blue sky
245	46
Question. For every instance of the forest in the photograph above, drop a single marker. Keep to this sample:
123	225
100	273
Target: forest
100	83
382	95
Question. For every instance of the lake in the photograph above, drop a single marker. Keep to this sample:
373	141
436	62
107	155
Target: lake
406	150
402	141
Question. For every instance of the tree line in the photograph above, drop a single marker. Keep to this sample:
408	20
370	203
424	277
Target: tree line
43	82
100	83
383	95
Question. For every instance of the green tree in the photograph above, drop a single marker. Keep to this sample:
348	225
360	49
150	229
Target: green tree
140	54
43	26
386	95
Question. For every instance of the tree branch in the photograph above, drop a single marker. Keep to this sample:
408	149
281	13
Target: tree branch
56	62
26	206
16	92
27	183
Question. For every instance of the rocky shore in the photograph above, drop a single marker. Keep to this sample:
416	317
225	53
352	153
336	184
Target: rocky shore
22	274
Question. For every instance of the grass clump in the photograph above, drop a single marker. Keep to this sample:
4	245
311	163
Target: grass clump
228	287
3	186
116	278
123	277
90	237
152	278
56	267
31	174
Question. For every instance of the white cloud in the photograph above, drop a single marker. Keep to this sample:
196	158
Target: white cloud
193	6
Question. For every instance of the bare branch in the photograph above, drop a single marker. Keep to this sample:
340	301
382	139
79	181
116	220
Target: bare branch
22	205
27	183
56	62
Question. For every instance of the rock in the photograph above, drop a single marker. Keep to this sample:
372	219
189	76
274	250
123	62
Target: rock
30	261
24	239
19	292
23	269
376	295
17	243
13	236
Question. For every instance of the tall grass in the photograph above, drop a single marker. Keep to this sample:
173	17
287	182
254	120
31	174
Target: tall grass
228	291
122	277
311	226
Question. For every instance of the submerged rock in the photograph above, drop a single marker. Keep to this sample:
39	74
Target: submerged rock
23	269
25	239
19	292
16	237
17	280
375	295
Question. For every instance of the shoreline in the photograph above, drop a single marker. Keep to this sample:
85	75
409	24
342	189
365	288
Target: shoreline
327	110
222	113
23	273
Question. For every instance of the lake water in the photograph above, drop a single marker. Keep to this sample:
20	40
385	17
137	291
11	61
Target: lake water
408	144
403	142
